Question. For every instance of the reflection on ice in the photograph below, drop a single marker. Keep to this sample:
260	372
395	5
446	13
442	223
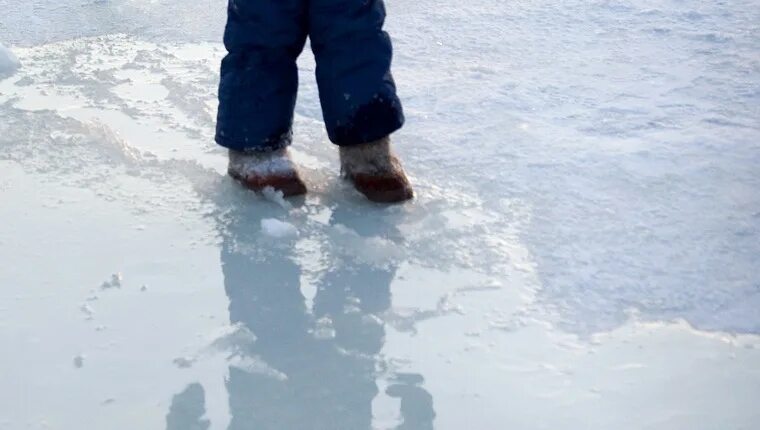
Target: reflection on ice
8	62
330	380
187	410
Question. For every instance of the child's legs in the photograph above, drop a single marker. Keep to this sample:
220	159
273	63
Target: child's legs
353	55
259	76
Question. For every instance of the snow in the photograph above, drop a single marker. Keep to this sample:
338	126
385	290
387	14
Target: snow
114	282
582	253
278	229
87	310
8	62
276	163
324	329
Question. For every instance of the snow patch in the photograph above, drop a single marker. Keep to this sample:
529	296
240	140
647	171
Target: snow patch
233	342
234	338
87	311
373	250
276	197
324	329
278	229
255	365
114	282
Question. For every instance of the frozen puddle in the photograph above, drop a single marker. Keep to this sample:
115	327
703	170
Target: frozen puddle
226	331
143	289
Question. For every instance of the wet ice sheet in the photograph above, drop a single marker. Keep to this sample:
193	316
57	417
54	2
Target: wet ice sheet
339	326
582	254
8	62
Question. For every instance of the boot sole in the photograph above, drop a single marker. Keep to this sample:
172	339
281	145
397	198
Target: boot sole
385	189
290	186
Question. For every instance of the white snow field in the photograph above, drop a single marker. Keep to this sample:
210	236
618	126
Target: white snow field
584	251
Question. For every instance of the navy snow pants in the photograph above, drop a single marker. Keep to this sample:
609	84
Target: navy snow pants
259	76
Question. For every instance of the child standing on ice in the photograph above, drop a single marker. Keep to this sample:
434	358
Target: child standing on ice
259	81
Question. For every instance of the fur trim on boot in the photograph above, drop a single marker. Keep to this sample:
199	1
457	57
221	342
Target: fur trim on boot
258	170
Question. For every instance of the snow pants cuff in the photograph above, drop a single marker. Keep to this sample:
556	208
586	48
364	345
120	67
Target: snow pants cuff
259	76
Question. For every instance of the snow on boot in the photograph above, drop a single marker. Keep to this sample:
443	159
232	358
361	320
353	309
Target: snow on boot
259	170
375	171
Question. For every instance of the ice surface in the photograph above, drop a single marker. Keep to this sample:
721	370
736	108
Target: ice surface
8	62
582	253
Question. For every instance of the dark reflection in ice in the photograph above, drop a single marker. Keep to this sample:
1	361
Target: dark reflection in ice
187	410
329	354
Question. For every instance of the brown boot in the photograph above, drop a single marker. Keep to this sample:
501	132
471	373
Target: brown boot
376	172
258	170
